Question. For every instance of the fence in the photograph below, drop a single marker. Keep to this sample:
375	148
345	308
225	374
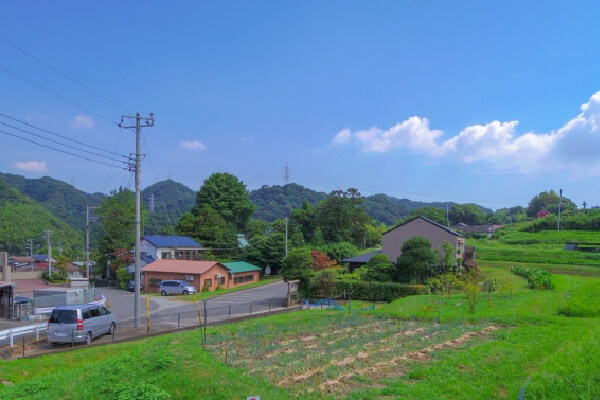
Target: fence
42	304
30	340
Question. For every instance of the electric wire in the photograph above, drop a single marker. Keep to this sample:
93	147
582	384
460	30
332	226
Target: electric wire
59	150
59	143
61	136
64	75
55	94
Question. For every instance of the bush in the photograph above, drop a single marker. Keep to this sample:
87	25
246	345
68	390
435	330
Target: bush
123	277
56	276
371	291
471	291
537	278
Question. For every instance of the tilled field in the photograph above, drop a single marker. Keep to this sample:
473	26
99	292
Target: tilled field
345	353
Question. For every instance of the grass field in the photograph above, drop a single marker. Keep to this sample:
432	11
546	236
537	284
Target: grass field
543	343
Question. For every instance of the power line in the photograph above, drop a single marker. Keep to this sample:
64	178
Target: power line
59	150
59	143
63	74
55	94
61	136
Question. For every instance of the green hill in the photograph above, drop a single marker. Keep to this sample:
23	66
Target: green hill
171	201
21	218
274	202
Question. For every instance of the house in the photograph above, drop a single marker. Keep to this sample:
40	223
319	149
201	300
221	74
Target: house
203	275
168	248
487	229
393	239
242	273
542	213
359	260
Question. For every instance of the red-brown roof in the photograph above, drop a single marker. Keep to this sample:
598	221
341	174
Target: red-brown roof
180	266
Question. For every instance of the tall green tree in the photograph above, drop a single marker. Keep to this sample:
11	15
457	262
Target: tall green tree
549	201
207	227
417	261
341	218
117	217
468	214
228	196
298	265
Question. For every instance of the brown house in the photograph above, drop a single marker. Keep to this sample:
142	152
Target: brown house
200	274
393	239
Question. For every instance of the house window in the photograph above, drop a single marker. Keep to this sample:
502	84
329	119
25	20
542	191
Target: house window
243	278
189	278
165	255
222	281
207	282
155	282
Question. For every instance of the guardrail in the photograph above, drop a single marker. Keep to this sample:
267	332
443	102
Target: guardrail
22	330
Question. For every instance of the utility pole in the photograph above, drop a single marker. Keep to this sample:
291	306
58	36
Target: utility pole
286	236
87	240
30	242
447	218
559	204
48	233
138	129
510	219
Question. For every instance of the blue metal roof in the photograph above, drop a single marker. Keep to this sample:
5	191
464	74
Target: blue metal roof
147	259
172	241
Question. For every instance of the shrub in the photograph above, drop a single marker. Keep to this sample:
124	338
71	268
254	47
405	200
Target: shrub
471	291
56	276
371	291
123	276
537	278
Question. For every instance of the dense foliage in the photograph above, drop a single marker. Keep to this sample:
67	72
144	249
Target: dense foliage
171	201
549	201
417	261
275	202
537	278
21	218
369	290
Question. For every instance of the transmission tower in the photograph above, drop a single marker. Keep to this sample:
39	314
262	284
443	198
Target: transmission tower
286	174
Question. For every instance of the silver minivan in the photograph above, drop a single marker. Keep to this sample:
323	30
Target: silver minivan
79	323
176	287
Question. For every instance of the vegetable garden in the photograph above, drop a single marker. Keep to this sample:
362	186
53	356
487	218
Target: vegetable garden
338	352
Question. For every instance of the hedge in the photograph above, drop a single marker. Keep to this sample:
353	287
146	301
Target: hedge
373	291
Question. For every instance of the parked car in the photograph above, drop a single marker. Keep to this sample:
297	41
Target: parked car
79	323
176	287
131	286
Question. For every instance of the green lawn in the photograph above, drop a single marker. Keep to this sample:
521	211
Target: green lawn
208	294
545	343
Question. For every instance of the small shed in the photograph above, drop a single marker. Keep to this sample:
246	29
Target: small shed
242	273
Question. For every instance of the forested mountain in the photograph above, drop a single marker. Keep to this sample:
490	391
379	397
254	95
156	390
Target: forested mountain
274	202
171	200
60	198
21	218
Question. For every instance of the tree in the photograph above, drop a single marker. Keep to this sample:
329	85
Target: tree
549	201
379	269
417	261
341	218
317	237
469	214
228	196
447	257
304	219
298	265
320	261
207	227
117	216
433	213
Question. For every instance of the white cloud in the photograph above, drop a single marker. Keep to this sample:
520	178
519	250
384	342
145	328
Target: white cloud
31	166
82	122
575	145
195	145
247	139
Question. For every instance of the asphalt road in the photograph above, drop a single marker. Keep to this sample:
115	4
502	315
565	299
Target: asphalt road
170	310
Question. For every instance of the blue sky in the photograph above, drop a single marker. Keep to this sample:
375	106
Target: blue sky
469	102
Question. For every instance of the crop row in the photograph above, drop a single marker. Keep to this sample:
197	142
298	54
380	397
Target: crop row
537	278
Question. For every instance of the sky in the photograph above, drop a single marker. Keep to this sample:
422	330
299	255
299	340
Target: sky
480	102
